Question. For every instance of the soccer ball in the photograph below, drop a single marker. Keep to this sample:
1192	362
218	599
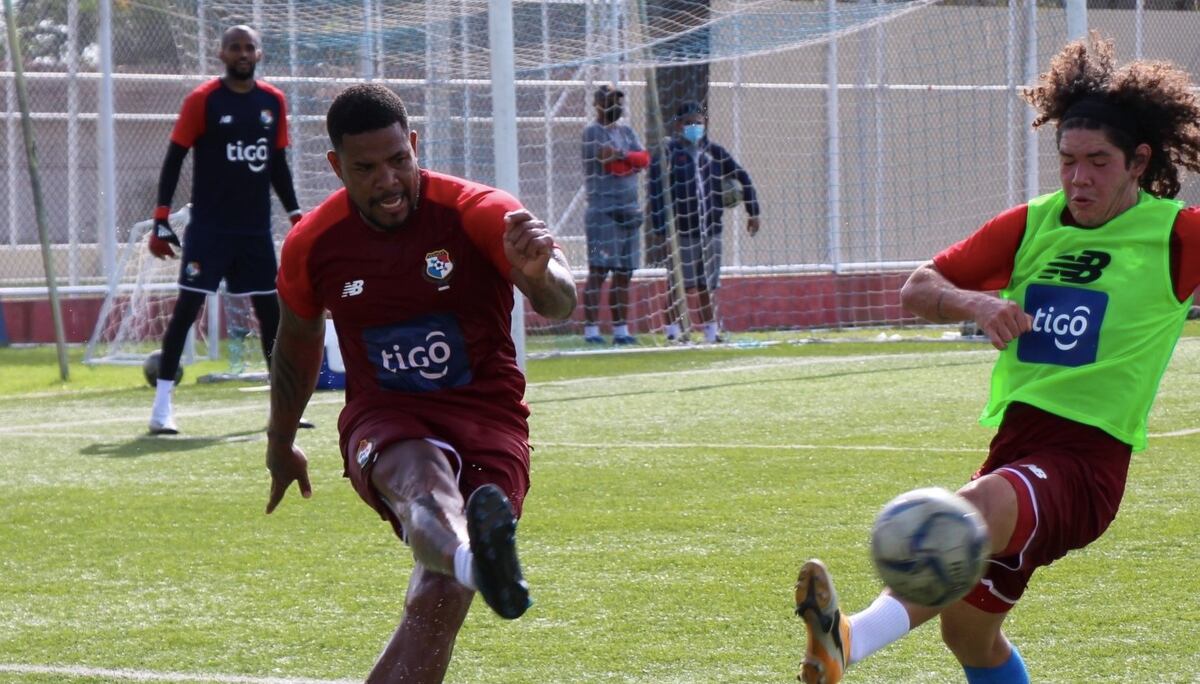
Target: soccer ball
929	546
731	192
150	369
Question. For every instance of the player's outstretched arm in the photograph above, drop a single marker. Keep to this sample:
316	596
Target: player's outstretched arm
295	364
540	270
930	295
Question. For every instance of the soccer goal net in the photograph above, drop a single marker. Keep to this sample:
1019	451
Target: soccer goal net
139	300
843	143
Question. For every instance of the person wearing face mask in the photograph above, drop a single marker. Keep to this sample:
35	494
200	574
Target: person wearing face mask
699	170
612	158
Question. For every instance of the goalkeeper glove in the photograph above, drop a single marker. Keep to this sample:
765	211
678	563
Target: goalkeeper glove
163	241
295	215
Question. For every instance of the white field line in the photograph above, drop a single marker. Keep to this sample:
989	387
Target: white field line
41	428
151	676
796	363
1174	433
732	447
142	418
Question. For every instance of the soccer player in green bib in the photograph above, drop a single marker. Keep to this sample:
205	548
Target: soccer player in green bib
1095	283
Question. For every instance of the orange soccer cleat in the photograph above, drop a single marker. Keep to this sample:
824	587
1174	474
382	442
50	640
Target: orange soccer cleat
828	652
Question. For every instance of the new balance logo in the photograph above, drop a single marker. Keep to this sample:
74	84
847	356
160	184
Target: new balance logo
352	288
1077	269
226	119
1035	470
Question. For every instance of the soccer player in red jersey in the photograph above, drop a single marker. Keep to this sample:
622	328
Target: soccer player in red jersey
1096	281
238	128
416	269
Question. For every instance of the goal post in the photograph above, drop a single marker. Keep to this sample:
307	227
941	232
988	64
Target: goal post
140	297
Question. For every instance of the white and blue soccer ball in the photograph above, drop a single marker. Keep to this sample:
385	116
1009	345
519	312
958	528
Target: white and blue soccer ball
929	546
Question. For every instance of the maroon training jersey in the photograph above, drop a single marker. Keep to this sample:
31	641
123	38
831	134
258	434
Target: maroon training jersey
422	313
232	135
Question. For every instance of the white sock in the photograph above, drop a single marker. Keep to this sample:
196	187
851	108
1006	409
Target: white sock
464	566
673	330
162	400
621	330
883	622
591	331
710	331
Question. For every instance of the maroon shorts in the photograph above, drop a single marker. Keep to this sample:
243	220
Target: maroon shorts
1069	480
480	452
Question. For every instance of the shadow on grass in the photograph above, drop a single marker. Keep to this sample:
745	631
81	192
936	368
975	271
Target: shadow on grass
148	445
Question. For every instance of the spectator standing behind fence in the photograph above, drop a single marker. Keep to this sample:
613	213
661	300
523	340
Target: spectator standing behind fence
704	177
238	127
612	158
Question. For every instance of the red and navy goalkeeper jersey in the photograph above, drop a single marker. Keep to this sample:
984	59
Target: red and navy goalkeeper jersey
422	313
232	135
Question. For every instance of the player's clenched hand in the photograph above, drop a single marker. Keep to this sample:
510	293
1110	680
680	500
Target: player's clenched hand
1003	321
528	243
287	464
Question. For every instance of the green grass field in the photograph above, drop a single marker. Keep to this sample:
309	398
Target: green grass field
674	497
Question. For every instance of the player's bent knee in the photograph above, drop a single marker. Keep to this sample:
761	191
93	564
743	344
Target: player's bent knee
996	500
410	469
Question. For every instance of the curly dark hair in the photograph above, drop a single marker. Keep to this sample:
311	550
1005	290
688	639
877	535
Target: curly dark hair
361	108
1157	95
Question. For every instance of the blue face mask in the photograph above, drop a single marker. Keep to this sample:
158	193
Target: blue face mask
693	133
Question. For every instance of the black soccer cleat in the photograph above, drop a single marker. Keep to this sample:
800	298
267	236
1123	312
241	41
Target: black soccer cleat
492	528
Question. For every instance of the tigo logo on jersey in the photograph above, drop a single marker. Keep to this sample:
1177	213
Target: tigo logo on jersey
352	289
255	155
1066	325
419	355
438	265
266	117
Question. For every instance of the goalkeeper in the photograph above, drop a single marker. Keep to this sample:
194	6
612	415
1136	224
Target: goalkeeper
238	128
1096	281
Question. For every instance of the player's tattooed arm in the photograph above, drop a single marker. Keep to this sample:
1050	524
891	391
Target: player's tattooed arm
295	364
932	296
539	269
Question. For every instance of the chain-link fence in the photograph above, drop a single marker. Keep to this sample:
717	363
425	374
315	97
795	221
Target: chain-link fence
875	132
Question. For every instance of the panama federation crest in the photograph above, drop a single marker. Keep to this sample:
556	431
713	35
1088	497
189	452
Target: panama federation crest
266	117
366	448
438	266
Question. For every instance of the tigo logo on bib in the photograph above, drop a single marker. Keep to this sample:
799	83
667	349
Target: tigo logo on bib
1066	325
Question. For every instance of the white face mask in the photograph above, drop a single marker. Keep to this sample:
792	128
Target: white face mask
693	133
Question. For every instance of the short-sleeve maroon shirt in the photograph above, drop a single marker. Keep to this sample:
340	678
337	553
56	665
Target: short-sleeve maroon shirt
422	313
984	260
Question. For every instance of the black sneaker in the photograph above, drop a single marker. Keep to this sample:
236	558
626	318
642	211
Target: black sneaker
492	527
